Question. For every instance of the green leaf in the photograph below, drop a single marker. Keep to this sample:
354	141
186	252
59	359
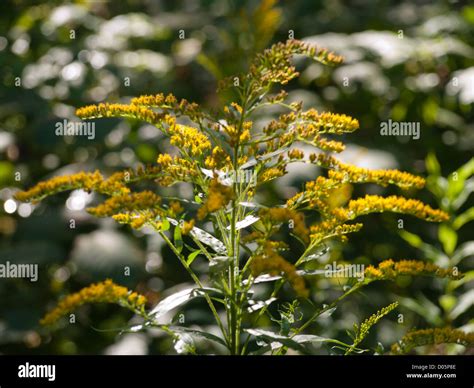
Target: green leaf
466	301
463	251
177	299
431	253
458	178
165	225
463	218
218	264
447	302
198	333
448	238
197	199
192	256
296	342
423	307
453	284
178	240
432	164
437	185
173	301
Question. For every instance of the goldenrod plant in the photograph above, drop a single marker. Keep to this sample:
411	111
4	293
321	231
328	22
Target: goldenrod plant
228	159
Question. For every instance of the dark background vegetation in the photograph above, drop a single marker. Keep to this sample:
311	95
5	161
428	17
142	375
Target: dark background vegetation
405	61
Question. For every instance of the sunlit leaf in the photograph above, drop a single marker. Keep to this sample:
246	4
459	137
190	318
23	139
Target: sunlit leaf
192	256
448	238
464	251
198	333
177	299
465	302
209	239
259	304
431	253
178	240
432	164
463	218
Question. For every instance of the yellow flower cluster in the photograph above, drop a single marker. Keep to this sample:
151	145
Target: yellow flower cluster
295	154
137	219
175	208
81	180
156	101
325	144
218	159
218	197
436	336
169	102
187	226
313	122
143	200
190	139
119	110
175	169
277	215
347	173
376	204
332	228
390	270
274	64
104	292
317	193
308	126
272	263
271	173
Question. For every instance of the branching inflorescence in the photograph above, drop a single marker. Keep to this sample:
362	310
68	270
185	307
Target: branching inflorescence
227	158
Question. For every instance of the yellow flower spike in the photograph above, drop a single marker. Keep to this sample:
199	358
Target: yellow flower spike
390	270
348	173
312	123
119	110
127	203
332	228
274	64
81	180
104	292
436	336
376	204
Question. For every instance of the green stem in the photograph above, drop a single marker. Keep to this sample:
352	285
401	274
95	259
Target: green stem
197	281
